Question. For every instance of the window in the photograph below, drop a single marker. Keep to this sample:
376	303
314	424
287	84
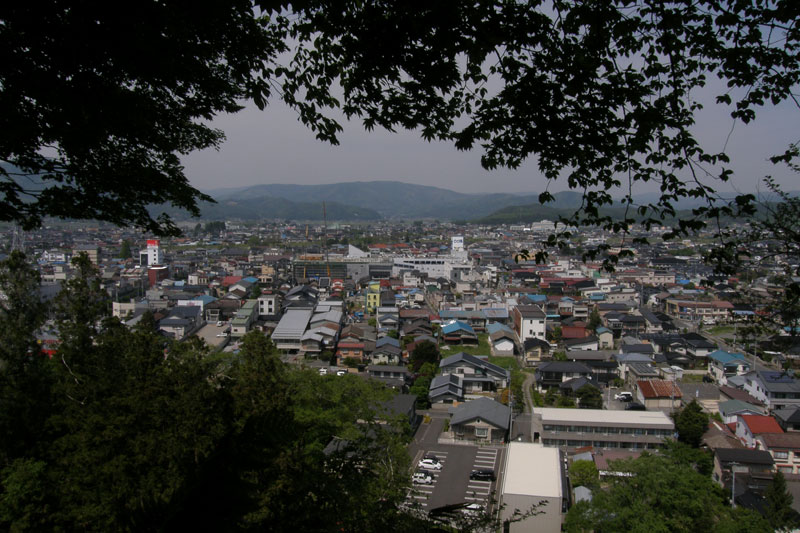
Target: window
781	455
481	433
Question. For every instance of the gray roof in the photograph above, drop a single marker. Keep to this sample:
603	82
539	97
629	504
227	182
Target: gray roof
446	384
486	409
744	455
292	324
475	361
775	381
564	366
731	407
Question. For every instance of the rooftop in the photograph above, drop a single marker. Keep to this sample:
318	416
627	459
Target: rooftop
533	470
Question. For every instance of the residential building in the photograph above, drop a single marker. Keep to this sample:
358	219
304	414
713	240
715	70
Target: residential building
784	449
748	427
554	373
478	374
604	429
773	388
244	318
481	420
530	322
534	476
289	331
659	394
722	365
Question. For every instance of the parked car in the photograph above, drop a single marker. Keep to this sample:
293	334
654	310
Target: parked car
422	478
484	474
323	371
624	396
341	372
430	464
473	509
431	456
635	406
219	323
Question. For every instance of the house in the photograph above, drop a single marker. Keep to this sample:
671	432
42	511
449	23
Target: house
478	374
289	331
502	339
457	332
535	351
605	338
773	388
586	343
784	449
482	420
244	318
530	322
554	373
788	418
659	394
747	462
396	377
748	427
182	321
446	390
722	365
387	351
731	409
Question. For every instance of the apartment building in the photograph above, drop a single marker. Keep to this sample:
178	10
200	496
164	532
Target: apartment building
603	429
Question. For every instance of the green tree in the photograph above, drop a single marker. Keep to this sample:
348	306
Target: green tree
423	352
589	397
594	320
393	333
25	373
778	509
664	493
125	250
584	474
691	423
555	335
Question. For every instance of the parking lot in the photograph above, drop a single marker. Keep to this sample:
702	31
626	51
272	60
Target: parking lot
452	484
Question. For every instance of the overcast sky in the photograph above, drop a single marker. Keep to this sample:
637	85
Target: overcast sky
273	147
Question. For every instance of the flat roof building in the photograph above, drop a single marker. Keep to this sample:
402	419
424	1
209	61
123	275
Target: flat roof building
534	476
604	429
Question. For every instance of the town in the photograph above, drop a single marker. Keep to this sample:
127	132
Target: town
501	365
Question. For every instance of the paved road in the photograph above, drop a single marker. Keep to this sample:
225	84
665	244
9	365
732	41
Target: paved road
526	392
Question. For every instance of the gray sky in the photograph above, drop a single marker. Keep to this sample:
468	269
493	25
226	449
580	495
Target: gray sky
274	147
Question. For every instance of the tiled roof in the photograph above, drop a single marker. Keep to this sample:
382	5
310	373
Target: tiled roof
659	388
761	424
781	440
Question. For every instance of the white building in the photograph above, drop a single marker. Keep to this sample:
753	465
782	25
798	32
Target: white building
152	255
533	475
530	322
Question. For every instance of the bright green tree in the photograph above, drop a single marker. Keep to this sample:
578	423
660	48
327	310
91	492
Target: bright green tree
691	423
664	493
589	397
584	473
778	509
594	319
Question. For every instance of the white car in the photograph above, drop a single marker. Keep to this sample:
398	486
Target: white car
323	371
422	478
341	372
624	396
430	464
473	509
219	323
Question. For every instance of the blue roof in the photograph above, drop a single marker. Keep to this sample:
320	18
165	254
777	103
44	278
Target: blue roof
456	326
250	279
725	358
493	327
597	296
205	298
537	297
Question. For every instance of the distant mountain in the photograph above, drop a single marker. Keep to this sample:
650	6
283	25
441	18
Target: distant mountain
397	200
270	208
373	200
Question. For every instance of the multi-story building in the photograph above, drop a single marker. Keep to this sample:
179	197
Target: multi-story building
576	428
152	254
530	322
773	388
784	449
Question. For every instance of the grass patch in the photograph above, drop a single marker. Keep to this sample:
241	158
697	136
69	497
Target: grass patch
509	362
481	349
692	378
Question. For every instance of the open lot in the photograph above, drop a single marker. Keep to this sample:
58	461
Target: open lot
452	484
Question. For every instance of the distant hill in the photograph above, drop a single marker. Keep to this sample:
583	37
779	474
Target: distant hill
393	199
271	208
373	200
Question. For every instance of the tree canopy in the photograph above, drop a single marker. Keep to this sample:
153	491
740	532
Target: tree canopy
602	94
664	492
